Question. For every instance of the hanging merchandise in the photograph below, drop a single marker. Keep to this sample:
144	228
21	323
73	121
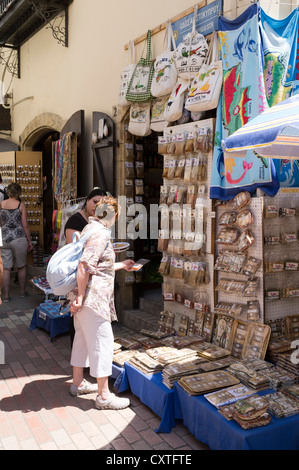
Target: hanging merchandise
165	73
243	97
190	54
64	185
139	89
206	86
126	76
175	105
140	119
280	42
158	121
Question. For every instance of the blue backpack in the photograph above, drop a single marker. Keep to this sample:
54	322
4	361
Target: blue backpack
62	267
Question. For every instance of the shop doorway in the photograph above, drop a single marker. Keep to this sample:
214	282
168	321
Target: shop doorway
148	286
45	144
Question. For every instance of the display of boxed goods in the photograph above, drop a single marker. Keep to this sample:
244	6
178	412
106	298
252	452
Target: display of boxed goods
229	395
145	363
173	372
207	382
249	376
279	377
282	406
251	412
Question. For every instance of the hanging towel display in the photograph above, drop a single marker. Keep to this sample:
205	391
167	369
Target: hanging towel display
280	40
242	97
165	73
206	86
190	53
65	154
139	89
126	76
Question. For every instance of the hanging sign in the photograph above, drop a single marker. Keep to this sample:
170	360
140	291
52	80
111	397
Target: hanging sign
206	21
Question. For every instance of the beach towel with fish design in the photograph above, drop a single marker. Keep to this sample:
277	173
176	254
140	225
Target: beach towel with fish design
243	97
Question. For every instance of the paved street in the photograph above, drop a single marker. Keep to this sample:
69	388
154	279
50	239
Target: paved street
37	411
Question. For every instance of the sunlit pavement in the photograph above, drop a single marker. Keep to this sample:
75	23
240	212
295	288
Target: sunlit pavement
37	411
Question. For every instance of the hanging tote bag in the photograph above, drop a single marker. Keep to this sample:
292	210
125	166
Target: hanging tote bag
140	119
139	89
206	86
190	53
158	121
174	107
165	73
126	76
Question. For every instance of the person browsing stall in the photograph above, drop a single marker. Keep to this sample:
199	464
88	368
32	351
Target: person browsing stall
76	223
16	238
92	304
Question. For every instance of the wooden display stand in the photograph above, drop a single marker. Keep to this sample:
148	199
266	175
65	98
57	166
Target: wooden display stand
25	168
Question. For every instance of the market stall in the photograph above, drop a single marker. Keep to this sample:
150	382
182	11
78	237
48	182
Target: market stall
227	241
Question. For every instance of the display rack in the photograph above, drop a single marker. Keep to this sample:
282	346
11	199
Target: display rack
183	308
280	252
255	251
25	168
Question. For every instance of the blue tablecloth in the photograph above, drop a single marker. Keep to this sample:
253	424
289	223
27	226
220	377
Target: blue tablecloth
154	394
53	324
208	426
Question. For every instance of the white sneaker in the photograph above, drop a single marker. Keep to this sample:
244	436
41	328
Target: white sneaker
112	403
85	388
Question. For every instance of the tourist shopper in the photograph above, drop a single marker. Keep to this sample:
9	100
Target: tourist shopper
16	238
77	222
92	304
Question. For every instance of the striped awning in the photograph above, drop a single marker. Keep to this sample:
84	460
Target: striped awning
272	134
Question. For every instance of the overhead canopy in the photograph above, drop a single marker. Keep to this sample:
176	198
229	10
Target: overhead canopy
272	134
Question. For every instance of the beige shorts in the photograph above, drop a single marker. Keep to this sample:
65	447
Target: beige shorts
14	252
93	344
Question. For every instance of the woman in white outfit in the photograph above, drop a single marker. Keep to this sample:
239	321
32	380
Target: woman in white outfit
92	304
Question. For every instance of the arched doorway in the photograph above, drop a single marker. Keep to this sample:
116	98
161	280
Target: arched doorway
39	135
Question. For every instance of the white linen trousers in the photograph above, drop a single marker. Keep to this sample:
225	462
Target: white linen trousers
93	344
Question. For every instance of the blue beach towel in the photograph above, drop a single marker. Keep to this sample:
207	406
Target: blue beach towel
280	42
243	97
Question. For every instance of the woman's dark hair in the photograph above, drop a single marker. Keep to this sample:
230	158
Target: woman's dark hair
96	192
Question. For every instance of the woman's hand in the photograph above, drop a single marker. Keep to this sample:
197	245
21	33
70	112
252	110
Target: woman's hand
29	247
127	264
76	304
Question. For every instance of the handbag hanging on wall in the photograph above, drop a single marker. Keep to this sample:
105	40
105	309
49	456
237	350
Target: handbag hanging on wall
140	119
190	53
158	121
175	104
139	89
165	73
206	86
127	75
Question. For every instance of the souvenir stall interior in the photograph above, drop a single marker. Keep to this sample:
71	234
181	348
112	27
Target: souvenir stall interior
222	355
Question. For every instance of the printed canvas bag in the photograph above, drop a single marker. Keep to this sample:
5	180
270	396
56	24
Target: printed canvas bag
206	86
126	76
190	53
165	73
158	121
175	104
140	119
139	89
